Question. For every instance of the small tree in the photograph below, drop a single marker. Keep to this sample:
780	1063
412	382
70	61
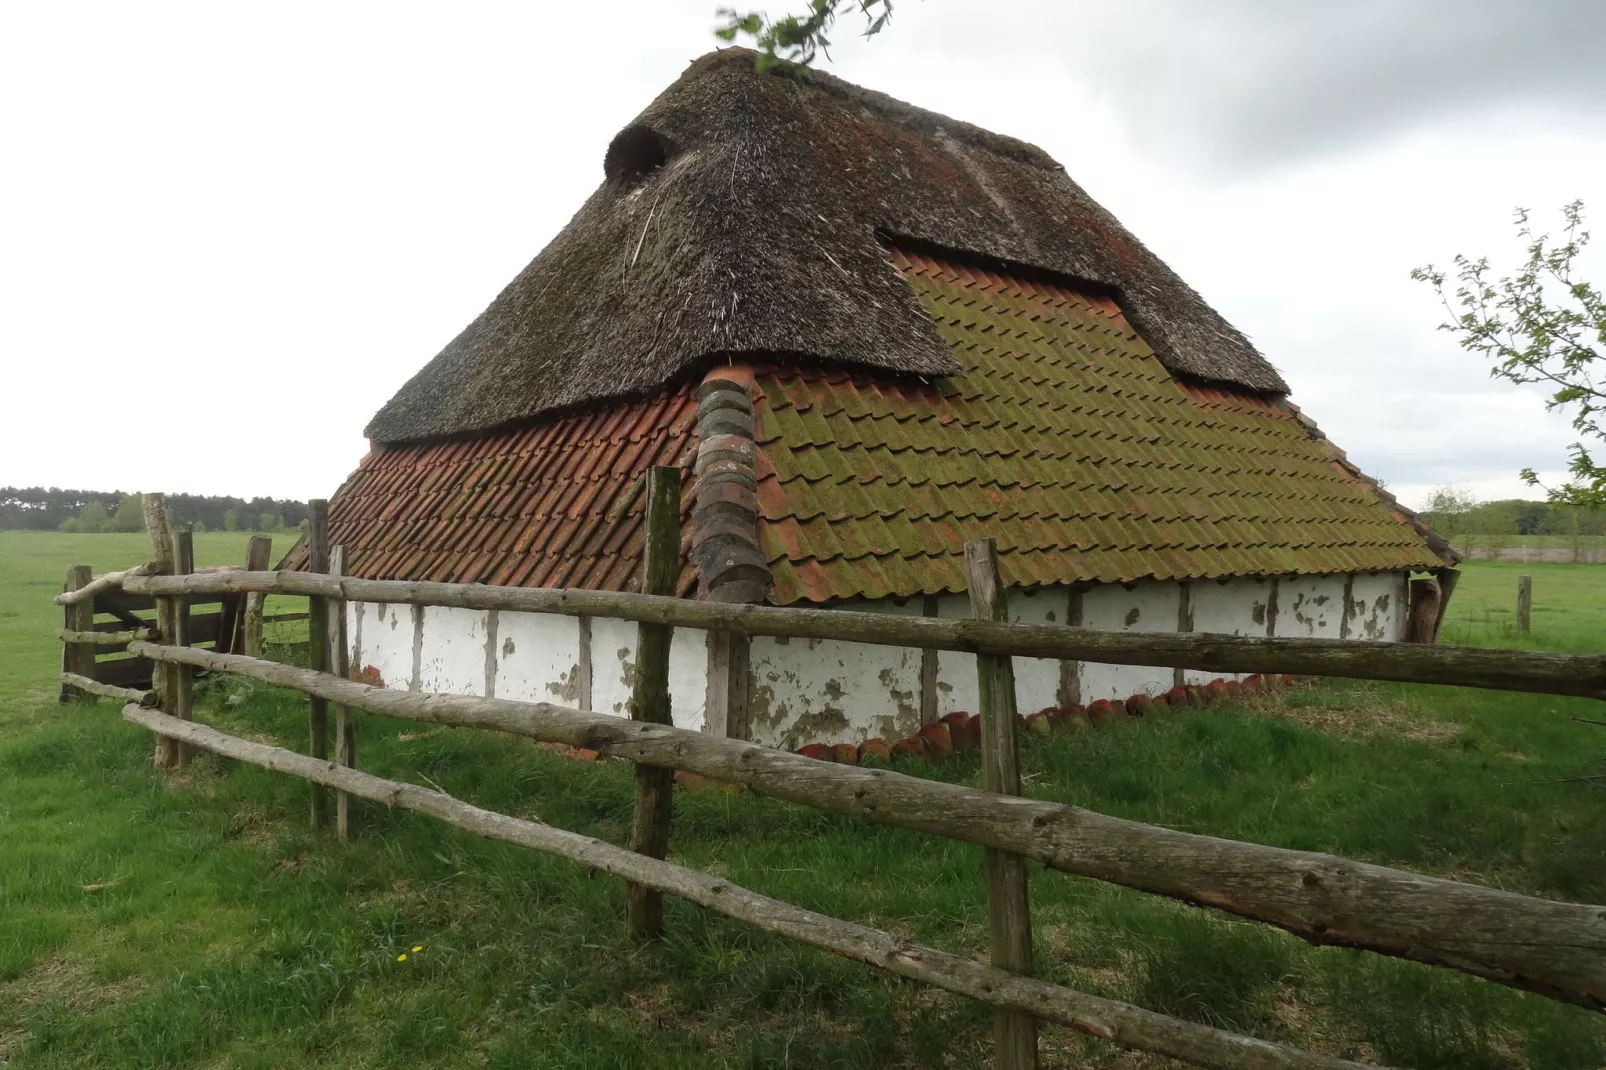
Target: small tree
92	518
1449	512
130	515
1541	325
231	520
269	522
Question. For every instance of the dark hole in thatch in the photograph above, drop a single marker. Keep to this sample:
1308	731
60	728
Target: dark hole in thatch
635	152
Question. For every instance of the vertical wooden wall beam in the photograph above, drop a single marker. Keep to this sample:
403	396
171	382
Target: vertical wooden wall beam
164	677
928	669
582	665
727	695
258	552
318	652
1525	604
1179	676
649	696
1008	910
345	723
1070	688
78	658
1349	606
183	705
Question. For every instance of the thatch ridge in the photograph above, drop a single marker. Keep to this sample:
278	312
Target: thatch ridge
740	213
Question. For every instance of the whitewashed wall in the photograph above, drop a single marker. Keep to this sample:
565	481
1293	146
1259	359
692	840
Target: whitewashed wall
1237	606
807	691
532	657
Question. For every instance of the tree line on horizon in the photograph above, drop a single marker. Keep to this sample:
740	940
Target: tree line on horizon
93	511
1460	517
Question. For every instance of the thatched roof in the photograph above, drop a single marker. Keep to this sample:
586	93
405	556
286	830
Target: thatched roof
745	213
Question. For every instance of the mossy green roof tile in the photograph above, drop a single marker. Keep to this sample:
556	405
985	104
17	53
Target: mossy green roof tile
1066	441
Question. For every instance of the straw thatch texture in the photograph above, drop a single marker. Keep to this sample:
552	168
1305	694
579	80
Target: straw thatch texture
745	213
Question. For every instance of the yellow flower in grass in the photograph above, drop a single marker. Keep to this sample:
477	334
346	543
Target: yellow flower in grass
401	958
418	948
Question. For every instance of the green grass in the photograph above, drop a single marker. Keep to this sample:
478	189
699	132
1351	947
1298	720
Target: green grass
199	923
1569	606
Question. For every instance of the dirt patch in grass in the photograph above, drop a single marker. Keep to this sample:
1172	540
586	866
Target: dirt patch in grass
256	826
66	982
1358	716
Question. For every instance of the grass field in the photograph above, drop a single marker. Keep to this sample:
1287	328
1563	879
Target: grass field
198	923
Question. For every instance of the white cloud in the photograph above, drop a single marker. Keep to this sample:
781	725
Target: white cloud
267	219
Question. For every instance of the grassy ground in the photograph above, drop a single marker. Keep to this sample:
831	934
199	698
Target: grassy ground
198	922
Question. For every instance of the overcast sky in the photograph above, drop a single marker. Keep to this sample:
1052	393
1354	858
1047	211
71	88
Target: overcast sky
259	220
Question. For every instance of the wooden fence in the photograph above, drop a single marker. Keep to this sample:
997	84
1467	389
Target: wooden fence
100	619
1553	948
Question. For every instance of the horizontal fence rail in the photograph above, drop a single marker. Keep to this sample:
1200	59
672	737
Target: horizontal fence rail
99	584
95	687
1505	670
105	638
1553	948
1122	1023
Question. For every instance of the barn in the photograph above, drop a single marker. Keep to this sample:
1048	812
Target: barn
864	333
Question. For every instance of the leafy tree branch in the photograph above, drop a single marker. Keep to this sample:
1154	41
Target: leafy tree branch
798	39
1542	325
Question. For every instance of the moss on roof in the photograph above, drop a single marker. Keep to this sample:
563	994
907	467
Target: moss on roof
745	213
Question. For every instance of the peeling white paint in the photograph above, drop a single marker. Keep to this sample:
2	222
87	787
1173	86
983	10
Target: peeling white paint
613	664
805	691
688	678
1310	606
956	672
1037	681
1147	607
809	690
1377	606
535	652
387	642
453	655
1237	606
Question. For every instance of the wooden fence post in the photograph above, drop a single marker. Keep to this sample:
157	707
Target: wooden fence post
164	678
258	552
183	706
1008	910
649	696
340	665
318	651
236	608
1525	604
78	658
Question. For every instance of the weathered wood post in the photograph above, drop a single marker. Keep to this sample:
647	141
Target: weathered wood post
258	552
318	651
1422	620
78	658
1008	910
649	695
183	698
165	677
339	664
1525	604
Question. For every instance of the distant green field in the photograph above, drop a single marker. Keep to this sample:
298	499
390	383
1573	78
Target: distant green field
1569	606
33	566
1535	542
197	922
